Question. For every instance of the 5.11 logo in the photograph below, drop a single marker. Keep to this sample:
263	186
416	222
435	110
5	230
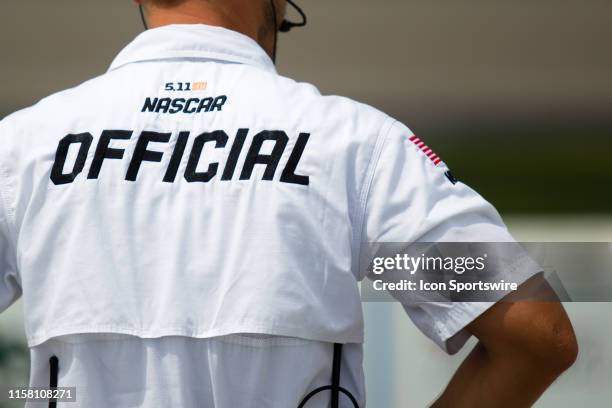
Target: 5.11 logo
186	86
184	103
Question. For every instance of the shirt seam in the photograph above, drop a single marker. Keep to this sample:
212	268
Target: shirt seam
214	58
8	210
250	326
454	321
367	183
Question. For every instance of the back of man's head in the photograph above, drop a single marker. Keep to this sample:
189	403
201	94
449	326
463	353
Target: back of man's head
258	19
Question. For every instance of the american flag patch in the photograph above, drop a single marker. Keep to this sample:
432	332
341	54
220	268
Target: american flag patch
425	149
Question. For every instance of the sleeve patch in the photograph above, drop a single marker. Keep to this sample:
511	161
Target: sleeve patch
425	149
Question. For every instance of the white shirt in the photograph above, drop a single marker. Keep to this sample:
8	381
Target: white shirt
192	193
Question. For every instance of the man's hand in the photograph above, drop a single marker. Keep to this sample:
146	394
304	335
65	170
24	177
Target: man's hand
524	346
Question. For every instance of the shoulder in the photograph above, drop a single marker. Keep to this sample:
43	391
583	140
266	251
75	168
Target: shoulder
68	102
343	104
333	112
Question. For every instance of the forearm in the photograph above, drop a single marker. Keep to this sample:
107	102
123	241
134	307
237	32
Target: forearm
506	380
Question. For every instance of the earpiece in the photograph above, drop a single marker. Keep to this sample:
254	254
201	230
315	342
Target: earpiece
287	25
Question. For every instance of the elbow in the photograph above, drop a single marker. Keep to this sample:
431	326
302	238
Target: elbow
543	343
565	349
555	348
536	336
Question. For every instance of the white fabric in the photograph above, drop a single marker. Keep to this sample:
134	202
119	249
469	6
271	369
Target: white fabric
150	258
411	200
10	288
202	259
221	372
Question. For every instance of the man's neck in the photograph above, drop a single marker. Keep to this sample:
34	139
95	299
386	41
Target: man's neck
203	13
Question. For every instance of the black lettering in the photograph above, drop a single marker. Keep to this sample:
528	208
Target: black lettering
57	175
177	155
288	175
270	155
104	152
149	105
234	154
220	138
163	104
218	103
189	102
205	105
271	161
177	105
142	154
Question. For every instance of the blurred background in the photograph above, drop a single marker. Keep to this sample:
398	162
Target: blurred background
516	97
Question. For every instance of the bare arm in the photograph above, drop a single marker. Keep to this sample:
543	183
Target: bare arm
523	348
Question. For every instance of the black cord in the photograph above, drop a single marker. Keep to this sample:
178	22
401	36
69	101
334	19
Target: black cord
325	388
53	374
336	375
286	25
335	387
275	19
142	16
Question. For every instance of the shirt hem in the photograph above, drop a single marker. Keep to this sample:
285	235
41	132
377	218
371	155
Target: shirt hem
37	340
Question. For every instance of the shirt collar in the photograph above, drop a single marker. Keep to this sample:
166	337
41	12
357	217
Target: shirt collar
194	41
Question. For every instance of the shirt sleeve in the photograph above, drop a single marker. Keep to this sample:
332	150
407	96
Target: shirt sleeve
413	197
10	287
